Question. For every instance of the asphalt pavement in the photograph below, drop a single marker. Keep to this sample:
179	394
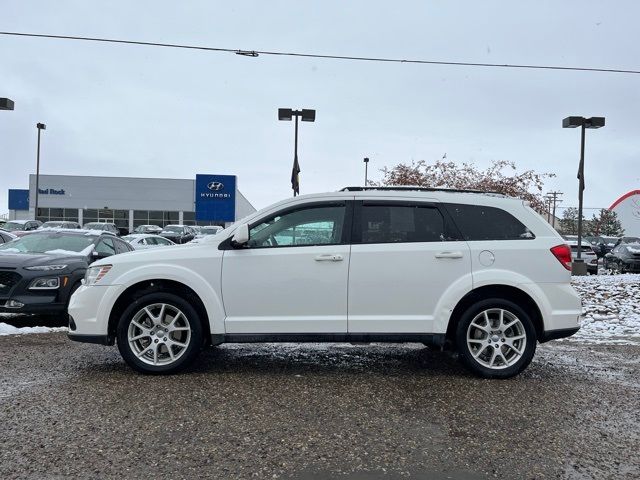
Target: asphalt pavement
316	411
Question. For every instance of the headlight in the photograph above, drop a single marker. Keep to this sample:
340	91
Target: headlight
47	283
95	274
46	268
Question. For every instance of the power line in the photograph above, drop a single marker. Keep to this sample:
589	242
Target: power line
255	53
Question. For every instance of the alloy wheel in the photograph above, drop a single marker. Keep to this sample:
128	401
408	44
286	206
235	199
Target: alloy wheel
496	338
159	334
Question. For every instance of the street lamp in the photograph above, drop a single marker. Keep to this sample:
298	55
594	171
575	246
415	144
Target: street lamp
366	168
40	127
6	104
584	123
307	115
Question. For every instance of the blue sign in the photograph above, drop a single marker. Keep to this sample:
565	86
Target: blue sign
18	199
216	198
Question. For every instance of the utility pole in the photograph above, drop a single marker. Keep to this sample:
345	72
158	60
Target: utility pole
553	197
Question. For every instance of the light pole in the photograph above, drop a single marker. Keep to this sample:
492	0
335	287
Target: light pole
584	123
40	127
6	104
306	115
366	165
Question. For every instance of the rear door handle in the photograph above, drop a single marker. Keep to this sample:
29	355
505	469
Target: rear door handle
329	258
449	255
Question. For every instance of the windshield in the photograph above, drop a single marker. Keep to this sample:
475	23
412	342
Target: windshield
173	228
209	230
47	243
13	226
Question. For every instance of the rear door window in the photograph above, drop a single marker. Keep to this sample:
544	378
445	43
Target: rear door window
389	223
477	222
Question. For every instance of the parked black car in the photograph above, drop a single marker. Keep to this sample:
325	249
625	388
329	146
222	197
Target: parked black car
623	240
625	257
40	271
103	226
178	233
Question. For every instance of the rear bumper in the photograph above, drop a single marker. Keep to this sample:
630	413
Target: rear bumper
556	334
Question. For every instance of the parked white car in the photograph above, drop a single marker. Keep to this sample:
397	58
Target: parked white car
205	232
482	273
143	241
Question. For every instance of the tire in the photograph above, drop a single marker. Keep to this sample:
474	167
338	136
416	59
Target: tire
160	333
476	339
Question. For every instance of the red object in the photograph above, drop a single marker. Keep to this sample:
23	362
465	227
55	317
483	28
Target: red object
624	197
563	254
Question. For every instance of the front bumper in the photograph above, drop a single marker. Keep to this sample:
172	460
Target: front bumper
43	304
98	339
89	309
556	334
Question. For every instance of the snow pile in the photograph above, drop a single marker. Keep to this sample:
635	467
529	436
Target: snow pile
611	305
6	329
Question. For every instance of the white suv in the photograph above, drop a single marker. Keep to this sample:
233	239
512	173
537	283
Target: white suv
477	271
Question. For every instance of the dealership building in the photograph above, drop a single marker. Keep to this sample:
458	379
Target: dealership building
130	202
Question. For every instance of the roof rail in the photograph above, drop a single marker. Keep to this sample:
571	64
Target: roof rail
419	189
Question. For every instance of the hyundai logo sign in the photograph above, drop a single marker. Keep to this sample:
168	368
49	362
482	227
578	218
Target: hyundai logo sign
215	198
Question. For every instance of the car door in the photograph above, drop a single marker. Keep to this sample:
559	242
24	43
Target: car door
404	257
292	275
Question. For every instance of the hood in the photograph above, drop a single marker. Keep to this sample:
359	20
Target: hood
169	254
18	260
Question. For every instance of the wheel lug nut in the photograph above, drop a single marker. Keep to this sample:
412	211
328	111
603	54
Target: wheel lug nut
164	339
503	339
156	340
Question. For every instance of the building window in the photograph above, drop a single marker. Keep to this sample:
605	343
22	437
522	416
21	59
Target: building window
155	217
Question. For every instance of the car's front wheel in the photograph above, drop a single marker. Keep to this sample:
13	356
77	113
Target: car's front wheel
159	333
496	338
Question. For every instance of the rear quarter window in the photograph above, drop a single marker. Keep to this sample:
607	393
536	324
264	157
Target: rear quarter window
477	222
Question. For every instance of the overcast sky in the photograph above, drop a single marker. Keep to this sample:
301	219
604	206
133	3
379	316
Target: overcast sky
151	112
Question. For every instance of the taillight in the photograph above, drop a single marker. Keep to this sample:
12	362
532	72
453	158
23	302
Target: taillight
563	254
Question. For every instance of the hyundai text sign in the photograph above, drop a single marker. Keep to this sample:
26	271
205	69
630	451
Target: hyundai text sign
216	198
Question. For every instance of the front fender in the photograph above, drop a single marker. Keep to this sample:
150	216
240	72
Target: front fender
192	279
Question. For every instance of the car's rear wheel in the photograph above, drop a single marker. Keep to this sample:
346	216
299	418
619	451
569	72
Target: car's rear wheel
496	338
159	333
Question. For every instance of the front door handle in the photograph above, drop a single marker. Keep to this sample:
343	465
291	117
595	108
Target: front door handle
449	255
329	258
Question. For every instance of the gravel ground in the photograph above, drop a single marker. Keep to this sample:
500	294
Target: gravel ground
316	412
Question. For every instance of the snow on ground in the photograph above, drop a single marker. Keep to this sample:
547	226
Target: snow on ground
611	305
6	329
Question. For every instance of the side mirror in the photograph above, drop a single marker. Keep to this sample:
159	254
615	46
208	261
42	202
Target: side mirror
241	236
